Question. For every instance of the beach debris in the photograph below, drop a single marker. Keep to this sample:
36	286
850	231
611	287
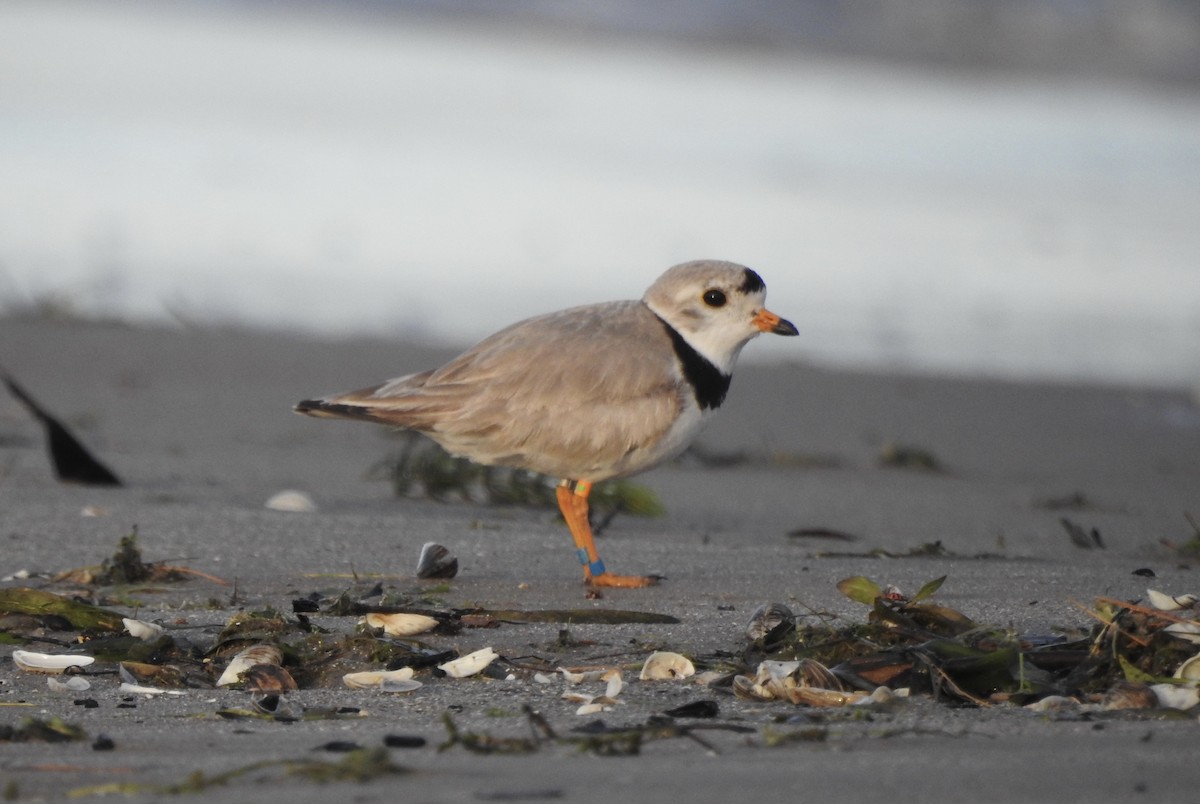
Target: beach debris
1189	670
1173	696
469	665
1165	602
422	468
889	605
244	660
401	624
770	625
126	566
666	666
907	456
55	610
804	681
268	679
1080	537
140	629
42	730
50	663
1129	695
436	561
71	684
362	765
1074	501
594	704
72	461
1187	631
830	534
291	501
704	708
399	680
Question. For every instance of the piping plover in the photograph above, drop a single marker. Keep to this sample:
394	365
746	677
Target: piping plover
584	394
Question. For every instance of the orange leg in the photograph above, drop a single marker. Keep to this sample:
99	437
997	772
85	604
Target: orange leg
572	501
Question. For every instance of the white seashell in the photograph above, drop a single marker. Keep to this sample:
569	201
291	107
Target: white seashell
401	624
615	683
1165	602
1189	632
143	630
375	678
665	665
542	678
244	660
400	685
138	689
770	669
468	665
72	684
53	664
296	502
590	709
1173	696
1190	670
93	511
881	695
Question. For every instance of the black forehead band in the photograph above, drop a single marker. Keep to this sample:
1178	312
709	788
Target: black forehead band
752	283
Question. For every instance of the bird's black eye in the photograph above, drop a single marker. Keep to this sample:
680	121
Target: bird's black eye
714	298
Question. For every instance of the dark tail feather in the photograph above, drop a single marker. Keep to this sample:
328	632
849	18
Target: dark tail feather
72	461
332	410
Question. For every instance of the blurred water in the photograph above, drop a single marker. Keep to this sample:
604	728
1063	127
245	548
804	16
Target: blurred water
417	178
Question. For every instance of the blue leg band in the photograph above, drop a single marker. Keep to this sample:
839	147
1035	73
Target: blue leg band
594	567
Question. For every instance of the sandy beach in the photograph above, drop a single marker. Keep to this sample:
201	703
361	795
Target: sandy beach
197	423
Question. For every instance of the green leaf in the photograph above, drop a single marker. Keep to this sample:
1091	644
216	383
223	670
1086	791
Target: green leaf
860	589
928	589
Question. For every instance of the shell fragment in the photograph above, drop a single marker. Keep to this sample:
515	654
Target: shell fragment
469	665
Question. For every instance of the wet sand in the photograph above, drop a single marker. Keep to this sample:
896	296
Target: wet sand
198	424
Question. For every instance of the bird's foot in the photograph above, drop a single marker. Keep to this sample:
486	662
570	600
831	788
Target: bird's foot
614	581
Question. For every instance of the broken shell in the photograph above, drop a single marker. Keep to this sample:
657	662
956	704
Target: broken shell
1165	602
1173	696
268	678
296	502
1189	632
384	680
1190	669
49	663
138	689
401	624
812	696
814	674
140	629
770	623
243	661
580	676
745	688
665	665
1052	703
470	664
1129	695
436	562
72	684
590	709
615	683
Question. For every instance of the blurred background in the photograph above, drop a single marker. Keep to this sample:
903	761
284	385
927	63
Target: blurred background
987	187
